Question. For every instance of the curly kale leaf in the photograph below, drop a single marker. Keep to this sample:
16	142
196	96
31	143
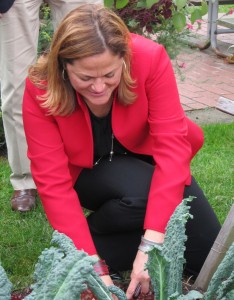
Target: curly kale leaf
227	286
173	246
229	296
192	295
117	292
222	281
64	272
165	264
5	285
158	266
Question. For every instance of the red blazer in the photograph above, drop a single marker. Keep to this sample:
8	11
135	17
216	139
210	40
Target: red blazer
60	146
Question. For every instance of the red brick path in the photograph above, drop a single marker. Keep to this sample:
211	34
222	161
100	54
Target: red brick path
203	77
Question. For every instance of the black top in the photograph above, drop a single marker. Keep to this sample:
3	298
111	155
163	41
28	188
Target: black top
102	140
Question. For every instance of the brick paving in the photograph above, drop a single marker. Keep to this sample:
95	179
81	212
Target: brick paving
202	76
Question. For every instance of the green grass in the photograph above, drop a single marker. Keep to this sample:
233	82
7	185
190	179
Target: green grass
24	236
213	167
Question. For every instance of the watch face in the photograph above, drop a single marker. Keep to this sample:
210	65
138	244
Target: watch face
5	5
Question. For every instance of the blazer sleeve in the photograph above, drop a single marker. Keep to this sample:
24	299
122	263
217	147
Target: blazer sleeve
50	170
172	148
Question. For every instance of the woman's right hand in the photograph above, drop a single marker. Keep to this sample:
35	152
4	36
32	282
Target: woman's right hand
139	276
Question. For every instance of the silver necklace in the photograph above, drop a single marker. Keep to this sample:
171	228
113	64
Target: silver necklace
111	151
112	147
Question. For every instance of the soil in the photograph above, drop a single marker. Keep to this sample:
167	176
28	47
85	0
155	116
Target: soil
20	294
88	295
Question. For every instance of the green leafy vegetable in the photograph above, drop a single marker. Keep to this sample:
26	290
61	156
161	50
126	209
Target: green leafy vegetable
165	264
63	273
222	281
5	285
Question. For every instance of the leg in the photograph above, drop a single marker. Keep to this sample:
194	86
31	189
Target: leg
117	192
202	230
19	29
60	8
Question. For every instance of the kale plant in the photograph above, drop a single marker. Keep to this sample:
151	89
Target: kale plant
165	264
63	273
5	285
221	285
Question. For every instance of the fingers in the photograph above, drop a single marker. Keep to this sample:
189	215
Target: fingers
133	290
140	279
137	291
141	288
139	284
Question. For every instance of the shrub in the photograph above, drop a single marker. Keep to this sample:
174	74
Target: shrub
165	21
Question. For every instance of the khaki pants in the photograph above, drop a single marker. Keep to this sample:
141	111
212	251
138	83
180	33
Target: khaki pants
19	30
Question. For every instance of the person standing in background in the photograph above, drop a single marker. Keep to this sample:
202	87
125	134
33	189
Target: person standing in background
19	31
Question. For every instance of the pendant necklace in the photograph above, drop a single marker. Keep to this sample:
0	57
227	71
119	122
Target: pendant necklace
112	147
111	151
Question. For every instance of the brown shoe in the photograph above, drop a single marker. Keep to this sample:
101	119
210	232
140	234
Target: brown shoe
24	200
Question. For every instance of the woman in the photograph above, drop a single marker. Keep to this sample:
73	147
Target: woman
106	131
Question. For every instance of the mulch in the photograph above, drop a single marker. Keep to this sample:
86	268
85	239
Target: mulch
86	295
19	295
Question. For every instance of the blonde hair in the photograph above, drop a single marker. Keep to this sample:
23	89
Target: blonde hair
85	31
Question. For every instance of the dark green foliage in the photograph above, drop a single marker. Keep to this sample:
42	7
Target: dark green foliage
157	22
164	21
63	272
46	29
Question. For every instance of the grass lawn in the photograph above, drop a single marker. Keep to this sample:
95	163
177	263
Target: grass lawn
213	167
24	236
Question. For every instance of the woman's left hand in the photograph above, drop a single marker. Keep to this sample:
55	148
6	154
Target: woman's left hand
139	276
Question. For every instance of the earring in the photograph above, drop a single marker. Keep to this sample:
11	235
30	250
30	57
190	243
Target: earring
63	74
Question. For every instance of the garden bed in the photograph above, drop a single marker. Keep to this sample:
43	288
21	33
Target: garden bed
19	295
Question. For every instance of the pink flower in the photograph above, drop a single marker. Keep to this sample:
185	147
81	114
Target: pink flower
199	21
231	10
189	26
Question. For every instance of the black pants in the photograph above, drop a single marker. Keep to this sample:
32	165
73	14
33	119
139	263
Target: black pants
117	193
